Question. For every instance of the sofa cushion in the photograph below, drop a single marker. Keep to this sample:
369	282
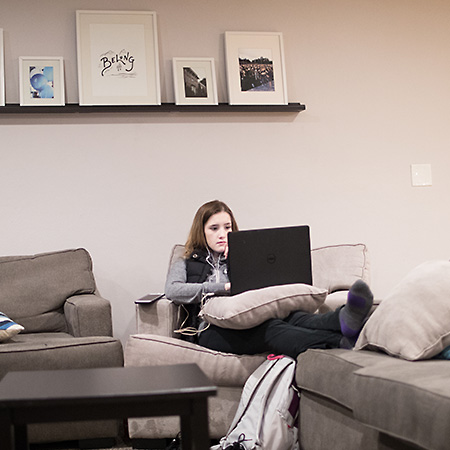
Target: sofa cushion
406	399
337	267
413	321
8	328
223	369
48	351
329	372
34	288
334	301
251	308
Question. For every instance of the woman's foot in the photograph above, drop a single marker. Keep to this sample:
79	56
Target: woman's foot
353	315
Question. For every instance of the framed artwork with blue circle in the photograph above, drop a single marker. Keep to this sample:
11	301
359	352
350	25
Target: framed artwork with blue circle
41	81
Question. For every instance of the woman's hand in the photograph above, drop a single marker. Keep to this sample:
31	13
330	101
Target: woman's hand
227	286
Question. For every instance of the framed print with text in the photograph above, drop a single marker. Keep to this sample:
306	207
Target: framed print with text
194	81
41	81
255	68
2	70
118	62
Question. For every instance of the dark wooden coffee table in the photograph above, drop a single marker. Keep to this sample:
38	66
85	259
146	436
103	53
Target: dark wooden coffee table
107	393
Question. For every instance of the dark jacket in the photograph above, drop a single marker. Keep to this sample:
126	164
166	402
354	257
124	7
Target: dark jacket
197	271
197	268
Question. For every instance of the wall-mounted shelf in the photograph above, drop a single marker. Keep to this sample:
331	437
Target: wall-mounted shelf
73	108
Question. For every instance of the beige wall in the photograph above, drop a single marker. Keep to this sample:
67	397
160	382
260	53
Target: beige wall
375	76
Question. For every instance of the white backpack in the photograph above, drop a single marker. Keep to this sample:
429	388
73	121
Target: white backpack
266	418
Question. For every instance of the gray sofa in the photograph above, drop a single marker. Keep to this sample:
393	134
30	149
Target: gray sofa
393	390
354	400
335	268
67	325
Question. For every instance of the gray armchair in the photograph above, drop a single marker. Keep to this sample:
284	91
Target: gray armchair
67	325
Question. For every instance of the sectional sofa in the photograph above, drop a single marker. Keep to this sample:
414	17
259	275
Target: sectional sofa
335	269
393	390
364	400
389	393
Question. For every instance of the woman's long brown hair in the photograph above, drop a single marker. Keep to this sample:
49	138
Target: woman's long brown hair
196	239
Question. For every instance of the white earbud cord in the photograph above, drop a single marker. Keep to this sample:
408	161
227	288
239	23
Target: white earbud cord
192	331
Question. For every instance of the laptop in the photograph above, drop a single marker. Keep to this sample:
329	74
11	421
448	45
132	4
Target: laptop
269	257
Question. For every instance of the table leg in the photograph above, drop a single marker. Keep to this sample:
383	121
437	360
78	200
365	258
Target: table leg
186	432
194	428
6	433
21	437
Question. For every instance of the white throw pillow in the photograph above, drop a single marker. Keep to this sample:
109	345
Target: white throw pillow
251	308
413	321
8	328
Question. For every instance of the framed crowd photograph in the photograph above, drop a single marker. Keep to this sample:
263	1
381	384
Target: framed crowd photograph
41	81
255	68
195	81
118	62
2	70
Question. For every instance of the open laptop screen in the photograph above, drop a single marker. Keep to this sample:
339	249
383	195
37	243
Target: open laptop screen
269	257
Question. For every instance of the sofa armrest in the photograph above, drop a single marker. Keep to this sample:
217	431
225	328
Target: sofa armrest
88	315
160	317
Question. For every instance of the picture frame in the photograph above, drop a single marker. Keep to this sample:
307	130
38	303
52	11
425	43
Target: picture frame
195	81
255	68
41	81
118	58
2	70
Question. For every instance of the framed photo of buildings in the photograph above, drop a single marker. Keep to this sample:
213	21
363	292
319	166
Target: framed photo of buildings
255	68
195	81
2	70
41	81
118	62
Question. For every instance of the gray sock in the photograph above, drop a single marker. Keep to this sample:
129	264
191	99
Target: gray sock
359	303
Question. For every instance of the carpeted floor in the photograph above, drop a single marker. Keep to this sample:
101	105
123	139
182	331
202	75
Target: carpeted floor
120	445
123	442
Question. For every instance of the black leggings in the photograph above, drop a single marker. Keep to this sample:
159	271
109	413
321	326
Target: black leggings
291	336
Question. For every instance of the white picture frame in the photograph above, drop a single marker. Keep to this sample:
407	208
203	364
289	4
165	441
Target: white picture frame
255	68
118	59
194	81
41	81
2	70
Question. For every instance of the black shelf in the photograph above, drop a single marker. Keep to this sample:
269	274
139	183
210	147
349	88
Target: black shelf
74	108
